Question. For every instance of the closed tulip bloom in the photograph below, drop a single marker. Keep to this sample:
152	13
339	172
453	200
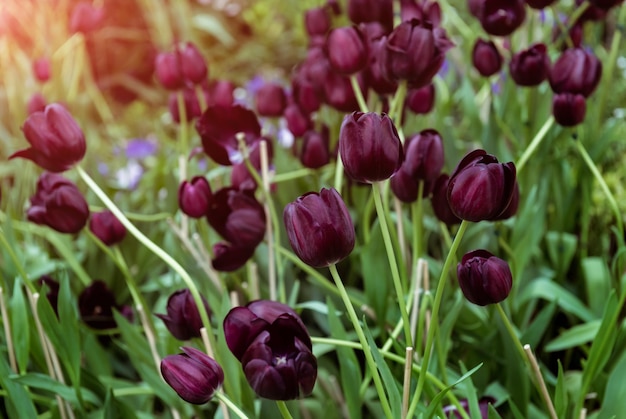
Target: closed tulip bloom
530	67
270	100
422	100
41	69
96	304
421	10
405	187
58	204
106	227
439	201
576	71
484	278
374	73
501	17
339	94
57	142
415	51
229	257
183	318
274	348
423	157
370	147
346	49
193	375
569	109
317	21
319	228
194	197
192	64
168	72
486	58
481	188
298	122
315	151
380	11
182	67
36	103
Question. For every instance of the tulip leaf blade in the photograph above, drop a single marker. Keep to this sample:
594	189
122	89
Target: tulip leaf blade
549	290
18	402
560	393
534	332
615	393
436	401
47	383
115	408
574	336
21	334
597	282
349	369
391	385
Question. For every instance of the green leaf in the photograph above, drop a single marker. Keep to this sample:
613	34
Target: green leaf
436	401
391	386
534	332
349	369
560	393
20	328
17	401
374	268
574	336
45	382
597	282
115	408
615	393
561	249
548	290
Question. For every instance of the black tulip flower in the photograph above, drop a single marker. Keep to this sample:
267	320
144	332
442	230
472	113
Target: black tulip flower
576	71
370	147
270	100
319	228
531	66
499	17
183	318
424	156
106	227
484	278
481	188
346	49
380	11
194	197
439	201
274	348
315	151
317	21
193	375
96	304
569	109
421	101
486	58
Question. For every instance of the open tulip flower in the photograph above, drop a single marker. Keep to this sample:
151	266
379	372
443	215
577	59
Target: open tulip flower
274	348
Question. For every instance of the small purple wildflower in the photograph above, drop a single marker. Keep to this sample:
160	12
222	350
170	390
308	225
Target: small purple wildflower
140	148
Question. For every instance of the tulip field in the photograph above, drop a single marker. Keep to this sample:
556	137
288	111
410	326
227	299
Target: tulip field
313	209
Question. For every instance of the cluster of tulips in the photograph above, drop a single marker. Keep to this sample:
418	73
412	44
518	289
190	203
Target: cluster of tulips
382	62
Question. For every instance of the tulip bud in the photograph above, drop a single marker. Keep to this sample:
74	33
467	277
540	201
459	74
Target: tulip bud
96	304
422	10
41	69
36	103
501	17
183	318
370	147
315	151
57	142
568	109
228	257
194	197
270	100
106	227
577	71
405	187
484	278
53	291
422	100
481	188
86	17
423	157
319	228
415	52
531	66
297	121
374	73
58	204
193	67
380	11
338	92
346	49
439	201
317	21
486	58
183	66
274	348
193	375
221	93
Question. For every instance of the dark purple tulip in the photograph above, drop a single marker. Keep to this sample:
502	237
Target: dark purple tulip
501	17
36	103
423	155
53	291
193	67
168	72
194	197
530	67
41	69
569	109
228	257
221	93
58	204
420	10
370	147
319	228
422	100
483	404
193	375
317	21
539	4
274	348
185	66
106	227
406	188
218	127
346	49
484	278
86	17
439	201
380	11
306	95
374	73
183	318
270	100
486	58
237	216
415	51
577	71
481	188
56	141
96	304
298	122
605	4
315	151
339	94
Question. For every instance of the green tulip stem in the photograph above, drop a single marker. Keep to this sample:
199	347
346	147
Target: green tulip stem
358	93
397	103
532	147
511	331
605	188
143	239
338	173
393	264
434	320
232	406
18	264
284	411
183	133
369	358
